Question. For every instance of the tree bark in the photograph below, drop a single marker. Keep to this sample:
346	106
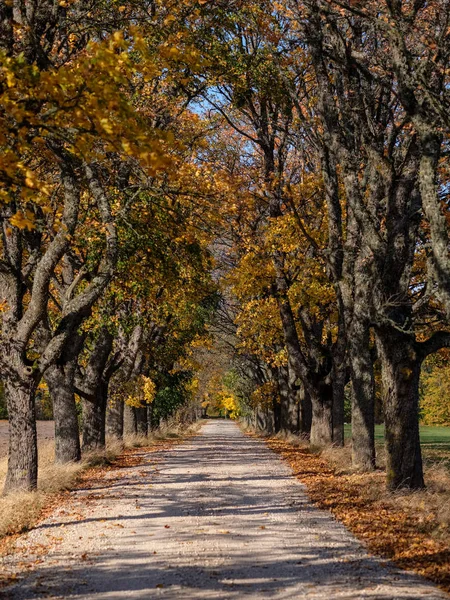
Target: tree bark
141	420
320	392
363	398
6	28
115	418
265	420
431	143
129	420
322	416
18	325
95	393
338	409
94	420
128	359
304	411
401	372
60	382
275	422
149	418
22	457
339	376
288	404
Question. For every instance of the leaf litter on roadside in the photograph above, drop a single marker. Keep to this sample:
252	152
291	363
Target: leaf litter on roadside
397	533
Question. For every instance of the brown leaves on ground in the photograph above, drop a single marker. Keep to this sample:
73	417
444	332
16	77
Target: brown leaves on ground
362	504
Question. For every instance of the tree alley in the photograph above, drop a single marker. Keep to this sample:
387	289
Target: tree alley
293	155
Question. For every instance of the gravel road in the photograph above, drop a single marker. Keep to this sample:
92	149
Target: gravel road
220	516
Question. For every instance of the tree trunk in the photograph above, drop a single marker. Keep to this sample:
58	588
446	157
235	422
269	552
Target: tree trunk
322	416
150	418
304	411
288	403
60	382
115	418
115	408
275	422
339	373
363	398
95	393
265	420
141	420
94	420
338	407
22	457
401	373
321	394
129	420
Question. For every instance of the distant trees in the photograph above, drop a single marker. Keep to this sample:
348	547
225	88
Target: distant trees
435	391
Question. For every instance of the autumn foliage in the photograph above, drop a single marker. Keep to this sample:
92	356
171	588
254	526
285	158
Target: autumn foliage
233	205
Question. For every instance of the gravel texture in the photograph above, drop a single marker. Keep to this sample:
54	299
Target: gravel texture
220	516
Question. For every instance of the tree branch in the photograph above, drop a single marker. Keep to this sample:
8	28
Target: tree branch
439	340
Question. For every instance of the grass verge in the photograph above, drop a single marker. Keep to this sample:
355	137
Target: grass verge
434	440
411	529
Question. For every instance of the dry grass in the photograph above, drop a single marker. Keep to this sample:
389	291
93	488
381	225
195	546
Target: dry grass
432	505
20	511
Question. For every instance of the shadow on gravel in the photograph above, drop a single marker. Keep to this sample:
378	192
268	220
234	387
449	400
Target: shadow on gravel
275	542
135	576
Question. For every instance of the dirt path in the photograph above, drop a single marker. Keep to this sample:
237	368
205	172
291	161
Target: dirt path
218	517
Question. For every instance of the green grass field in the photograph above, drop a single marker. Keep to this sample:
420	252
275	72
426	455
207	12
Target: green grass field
435	441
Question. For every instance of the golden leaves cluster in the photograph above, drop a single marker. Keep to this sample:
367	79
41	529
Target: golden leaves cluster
84	107
140	392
